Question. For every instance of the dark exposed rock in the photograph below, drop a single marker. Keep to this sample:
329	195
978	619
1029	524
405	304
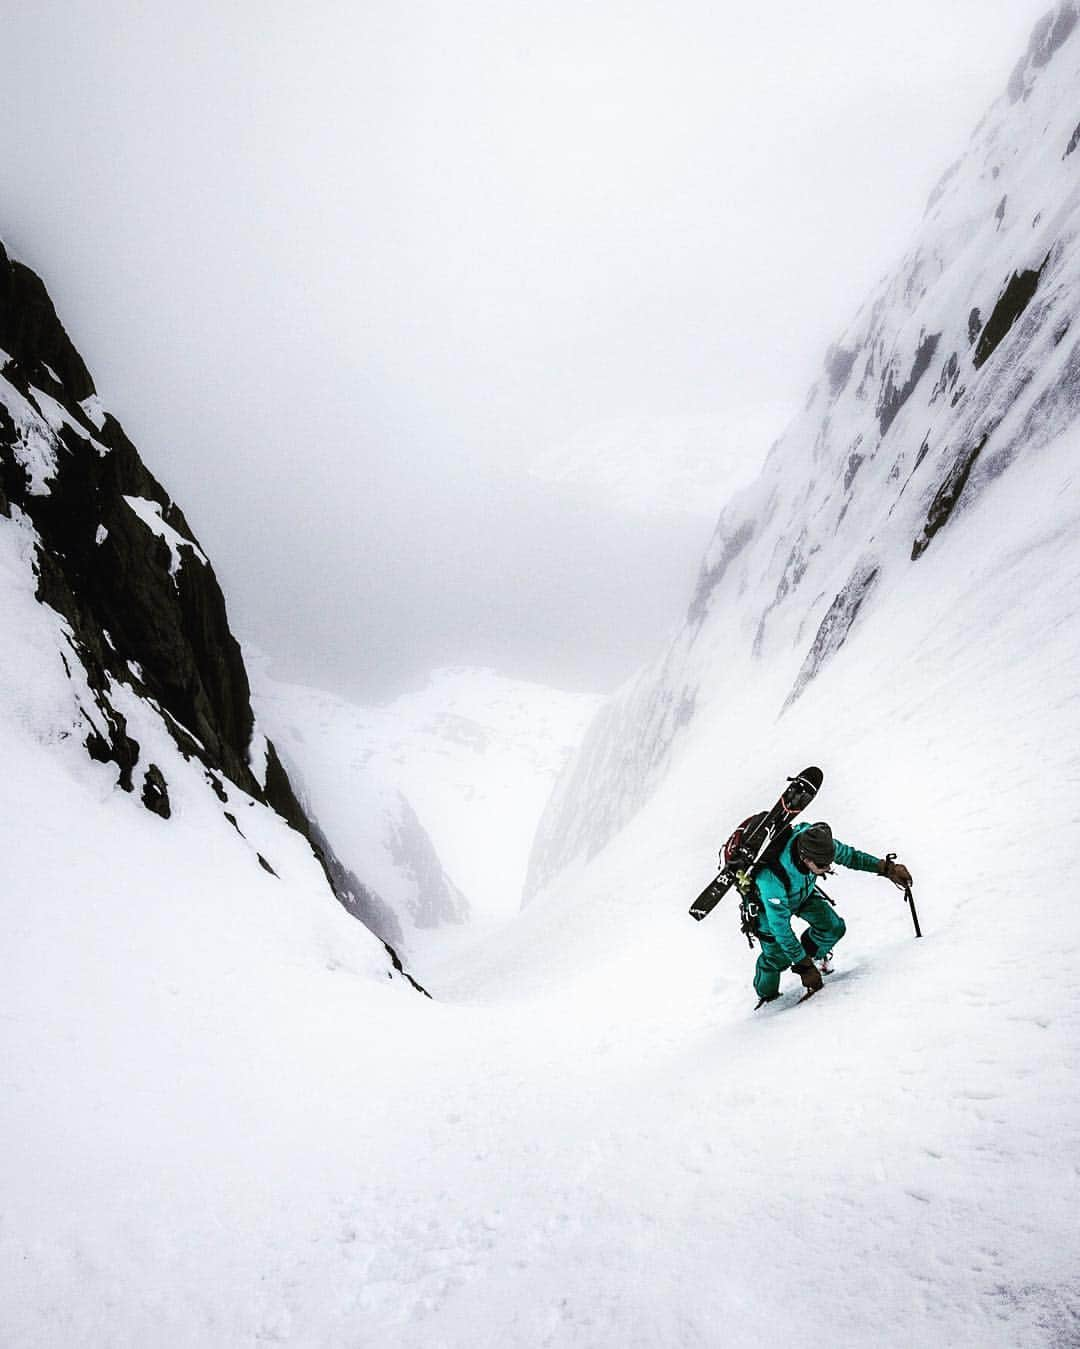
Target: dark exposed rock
14	483
1013	300
838	365
946	498
113	744
999	214
835	626
1074	141
105	570
892	398
869	371
974	325
31	332
854	463
949	373
118	560
395	961
155	792
266	865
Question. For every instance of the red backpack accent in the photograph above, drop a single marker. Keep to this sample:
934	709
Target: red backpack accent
733	852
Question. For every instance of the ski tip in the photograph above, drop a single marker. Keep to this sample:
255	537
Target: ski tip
814	776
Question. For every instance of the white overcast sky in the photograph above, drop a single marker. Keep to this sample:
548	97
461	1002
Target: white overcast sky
348	271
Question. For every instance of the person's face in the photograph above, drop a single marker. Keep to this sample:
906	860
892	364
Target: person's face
815	868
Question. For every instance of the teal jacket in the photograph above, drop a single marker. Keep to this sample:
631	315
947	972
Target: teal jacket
784	888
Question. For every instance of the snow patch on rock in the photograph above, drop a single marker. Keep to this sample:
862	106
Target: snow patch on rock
149	512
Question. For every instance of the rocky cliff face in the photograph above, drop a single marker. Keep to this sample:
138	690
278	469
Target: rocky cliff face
964	359
117	559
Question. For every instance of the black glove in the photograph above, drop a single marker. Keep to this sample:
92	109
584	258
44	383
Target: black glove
896	872
809	973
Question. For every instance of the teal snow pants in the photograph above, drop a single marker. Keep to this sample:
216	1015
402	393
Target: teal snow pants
825	930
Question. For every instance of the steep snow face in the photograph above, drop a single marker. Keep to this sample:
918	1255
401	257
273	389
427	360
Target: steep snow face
964	360
437	794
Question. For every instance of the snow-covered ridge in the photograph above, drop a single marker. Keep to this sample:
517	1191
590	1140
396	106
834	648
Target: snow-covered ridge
964	358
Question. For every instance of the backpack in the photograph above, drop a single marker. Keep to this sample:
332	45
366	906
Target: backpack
739	854
736	854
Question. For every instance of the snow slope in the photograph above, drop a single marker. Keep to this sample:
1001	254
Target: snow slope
218	1134
221	1130
468	761
894	1163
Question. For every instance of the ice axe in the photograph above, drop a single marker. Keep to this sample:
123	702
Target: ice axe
909	899
911	904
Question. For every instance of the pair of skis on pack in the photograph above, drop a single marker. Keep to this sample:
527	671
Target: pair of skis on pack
738	867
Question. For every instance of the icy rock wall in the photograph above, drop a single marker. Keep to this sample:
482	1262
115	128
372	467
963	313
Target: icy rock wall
963	359
138	613
116	558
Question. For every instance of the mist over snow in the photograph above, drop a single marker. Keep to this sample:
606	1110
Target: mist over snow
468	763
347	272
678	466
231	1117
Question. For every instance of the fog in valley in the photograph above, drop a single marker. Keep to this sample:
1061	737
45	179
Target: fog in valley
452	326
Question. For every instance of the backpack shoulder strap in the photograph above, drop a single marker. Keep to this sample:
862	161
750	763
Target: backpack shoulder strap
770	859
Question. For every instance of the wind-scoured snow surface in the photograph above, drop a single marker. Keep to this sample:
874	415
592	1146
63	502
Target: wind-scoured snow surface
224	1126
